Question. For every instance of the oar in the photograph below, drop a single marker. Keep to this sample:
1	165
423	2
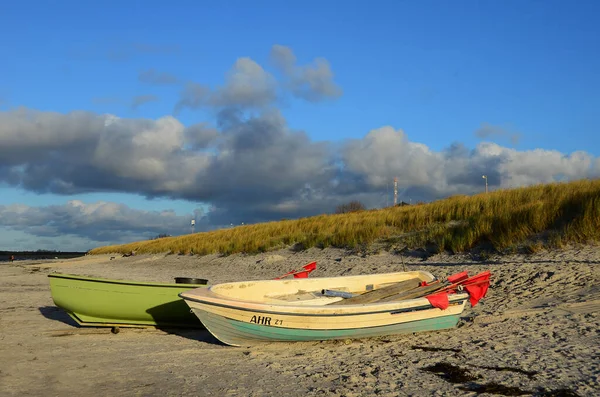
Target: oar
378	294
438	287
414	293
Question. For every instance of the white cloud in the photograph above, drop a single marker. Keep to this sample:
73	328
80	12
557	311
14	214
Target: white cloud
249	86
312	82
386	153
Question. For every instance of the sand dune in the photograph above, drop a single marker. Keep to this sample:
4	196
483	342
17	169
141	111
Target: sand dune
536	331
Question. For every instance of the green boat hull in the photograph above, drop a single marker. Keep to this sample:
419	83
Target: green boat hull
108	303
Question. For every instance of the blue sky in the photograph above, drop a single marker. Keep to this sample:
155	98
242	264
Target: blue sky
437	70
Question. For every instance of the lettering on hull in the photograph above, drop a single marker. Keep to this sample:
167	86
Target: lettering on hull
263	320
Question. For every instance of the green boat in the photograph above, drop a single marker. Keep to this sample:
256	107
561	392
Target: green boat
99	302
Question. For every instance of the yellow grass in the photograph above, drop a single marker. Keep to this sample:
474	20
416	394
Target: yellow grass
532	217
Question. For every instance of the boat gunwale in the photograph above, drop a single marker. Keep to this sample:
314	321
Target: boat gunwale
335	311
311	279
75	277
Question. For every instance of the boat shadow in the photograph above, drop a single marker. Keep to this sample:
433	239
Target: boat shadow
57	314
198	334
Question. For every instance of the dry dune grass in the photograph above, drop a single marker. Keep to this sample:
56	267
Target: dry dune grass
533	217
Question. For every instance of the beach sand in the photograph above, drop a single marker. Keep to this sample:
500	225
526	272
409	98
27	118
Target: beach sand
538	330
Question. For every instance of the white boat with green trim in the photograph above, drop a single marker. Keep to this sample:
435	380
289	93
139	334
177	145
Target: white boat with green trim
250	312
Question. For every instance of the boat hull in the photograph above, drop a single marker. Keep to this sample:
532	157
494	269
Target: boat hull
237	333
246	328
252	312
107	303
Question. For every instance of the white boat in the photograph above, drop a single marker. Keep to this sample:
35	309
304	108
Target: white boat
251	312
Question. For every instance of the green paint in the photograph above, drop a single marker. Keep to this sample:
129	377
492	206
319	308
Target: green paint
97	302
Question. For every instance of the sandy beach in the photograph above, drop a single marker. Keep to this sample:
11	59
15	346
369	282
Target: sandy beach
536	333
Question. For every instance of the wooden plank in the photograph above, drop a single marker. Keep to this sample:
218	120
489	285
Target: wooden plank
378	294
414	293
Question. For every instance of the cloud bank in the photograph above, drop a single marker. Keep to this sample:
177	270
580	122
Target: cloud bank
100	222
253	167
245	163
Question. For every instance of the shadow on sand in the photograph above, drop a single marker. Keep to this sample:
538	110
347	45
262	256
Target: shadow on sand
57	314
200	335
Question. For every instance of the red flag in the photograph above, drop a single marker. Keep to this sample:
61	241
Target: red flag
478	278
439	300
302	273
458	277
477	286
477	291
308	268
